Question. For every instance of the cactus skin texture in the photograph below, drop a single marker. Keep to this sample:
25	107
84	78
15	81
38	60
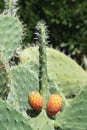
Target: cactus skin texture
11	119
11	32
68	75
54	104
42	122
4	80
35	100
12	97
74	117
24	81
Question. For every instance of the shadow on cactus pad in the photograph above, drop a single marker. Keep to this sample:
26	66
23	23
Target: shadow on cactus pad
33	113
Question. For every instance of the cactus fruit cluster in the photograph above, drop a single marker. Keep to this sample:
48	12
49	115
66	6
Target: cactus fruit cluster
54	103
49	92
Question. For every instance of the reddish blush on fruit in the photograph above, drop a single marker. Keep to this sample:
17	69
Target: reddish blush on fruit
35	100
54	104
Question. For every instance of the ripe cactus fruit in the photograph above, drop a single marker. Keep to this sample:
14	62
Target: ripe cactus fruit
35	100
54	104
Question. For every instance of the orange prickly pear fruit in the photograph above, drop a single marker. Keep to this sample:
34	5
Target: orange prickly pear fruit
54	104
35	100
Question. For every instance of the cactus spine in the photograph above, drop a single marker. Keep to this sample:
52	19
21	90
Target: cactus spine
11	7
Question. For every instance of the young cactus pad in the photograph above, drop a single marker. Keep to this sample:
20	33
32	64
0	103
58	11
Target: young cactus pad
42	35
24	81
11	32
11	119
74	117
4	80
69	76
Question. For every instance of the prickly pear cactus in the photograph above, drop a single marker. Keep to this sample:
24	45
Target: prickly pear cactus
11	32
4	80
69	76
24	81
47	71
11	119
74	117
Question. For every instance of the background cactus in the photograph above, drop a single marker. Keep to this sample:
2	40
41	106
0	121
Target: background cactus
68	75
11	32
11	7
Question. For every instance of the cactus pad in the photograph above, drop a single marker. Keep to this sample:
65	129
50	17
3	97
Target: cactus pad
74	116
10	35
69	76
24	81
11	119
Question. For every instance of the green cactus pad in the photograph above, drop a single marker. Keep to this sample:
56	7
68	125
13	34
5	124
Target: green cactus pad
24	81
10	35
69	76
74	117
4	80
11	119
